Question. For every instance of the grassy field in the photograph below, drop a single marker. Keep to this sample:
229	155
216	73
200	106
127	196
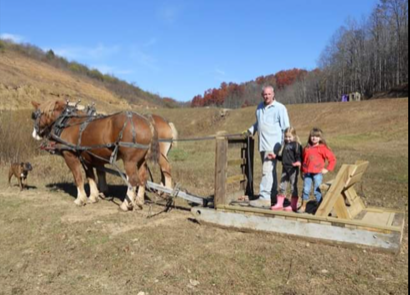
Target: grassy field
49	246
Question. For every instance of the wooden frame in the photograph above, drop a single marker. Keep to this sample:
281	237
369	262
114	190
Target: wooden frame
350	223
341	190
246	163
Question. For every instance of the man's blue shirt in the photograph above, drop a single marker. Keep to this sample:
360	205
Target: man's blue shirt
271	122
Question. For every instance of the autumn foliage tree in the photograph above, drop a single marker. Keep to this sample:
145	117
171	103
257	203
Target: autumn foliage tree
232	95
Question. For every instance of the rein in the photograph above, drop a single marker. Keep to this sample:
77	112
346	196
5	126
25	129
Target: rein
61	144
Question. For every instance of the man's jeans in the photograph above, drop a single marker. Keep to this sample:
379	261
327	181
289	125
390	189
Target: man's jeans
269	183
316	180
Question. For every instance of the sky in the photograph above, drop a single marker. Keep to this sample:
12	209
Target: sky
181	48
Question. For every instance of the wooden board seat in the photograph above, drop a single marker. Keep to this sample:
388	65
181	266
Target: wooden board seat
340	191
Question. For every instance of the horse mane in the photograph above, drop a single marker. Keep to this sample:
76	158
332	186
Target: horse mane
48	107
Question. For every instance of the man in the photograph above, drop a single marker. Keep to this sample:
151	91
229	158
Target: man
271	121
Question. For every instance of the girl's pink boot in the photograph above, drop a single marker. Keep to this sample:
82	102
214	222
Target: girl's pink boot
279	204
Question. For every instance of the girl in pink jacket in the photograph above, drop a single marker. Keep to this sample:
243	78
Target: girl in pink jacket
315	155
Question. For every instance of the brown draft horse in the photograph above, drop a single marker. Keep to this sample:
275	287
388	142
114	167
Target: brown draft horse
167	135
126	136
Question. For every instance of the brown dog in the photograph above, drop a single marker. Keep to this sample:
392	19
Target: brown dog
20	171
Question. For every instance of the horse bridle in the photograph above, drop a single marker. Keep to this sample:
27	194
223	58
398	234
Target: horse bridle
36	116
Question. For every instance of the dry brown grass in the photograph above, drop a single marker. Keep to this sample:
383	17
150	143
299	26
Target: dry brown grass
23	79
48	246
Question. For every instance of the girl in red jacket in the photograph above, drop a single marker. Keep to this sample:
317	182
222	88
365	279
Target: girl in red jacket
315	155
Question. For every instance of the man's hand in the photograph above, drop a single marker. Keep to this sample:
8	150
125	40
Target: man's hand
325	171
297	164
271	156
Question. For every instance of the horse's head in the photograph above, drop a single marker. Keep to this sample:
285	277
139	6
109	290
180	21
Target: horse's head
44	116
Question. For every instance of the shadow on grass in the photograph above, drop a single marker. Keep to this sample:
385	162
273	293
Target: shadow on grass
115	192
26	188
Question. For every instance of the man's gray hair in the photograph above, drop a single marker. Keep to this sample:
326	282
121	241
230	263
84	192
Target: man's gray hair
268	86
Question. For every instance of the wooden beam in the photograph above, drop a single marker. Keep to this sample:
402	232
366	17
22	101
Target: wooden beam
334	191
221	170
312	218
390	242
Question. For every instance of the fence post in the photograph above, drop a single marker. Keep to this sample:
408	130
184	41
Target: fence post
249	170
221	170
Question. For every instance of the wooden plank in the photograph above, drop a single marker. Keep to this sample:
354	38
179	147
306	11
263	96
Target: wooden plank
341	209
381	210
377	218
322	232
361	167
353	179
334	192
221	170
356	203
309	217
391	219
179	194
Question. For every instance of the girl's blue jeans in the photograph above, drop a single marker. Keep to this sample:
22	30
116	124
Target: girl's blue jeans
315	180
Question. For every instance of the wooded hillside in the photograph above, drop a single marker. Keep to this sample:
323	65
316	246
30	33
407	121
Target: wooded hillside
368	56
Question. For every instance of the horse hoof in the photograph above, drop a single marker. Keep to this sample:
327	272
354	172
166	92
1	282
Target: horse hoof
93	200
102	196
124	207
79	203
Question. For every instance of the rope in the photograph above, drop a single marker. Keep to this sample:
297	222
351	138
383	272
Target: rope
206	138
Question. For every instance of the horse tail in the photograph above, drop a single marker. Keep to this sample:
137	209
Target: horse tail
154	150
174	134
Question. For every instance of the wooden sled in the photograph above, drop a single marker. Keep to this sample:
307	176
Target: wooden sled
342	217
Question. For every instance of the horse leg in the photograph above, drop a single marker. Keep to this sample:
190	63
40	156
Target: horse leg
142	176
93	185
165	172
75	166
102	183
132	177
165	166
141	193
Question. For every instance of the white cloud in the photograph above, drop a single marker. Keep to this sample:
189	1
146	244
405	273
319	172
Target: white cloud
106	69
220	72
85	53
12	37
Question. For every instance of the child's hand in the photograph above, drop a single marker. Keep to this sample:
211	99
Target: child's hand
325	171
271	156
297	164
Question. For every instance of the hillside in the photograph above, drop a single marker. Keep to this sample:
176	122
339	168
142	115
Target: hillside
49	243
24	79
